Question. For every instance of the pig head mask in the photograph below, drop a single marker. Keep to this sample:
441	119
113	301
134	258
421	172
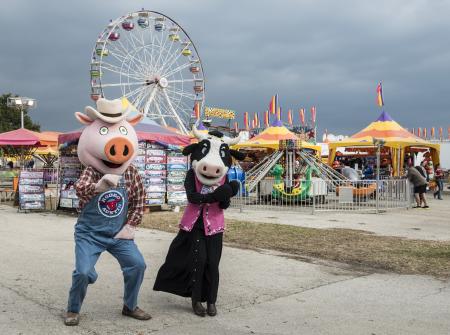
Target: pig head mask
109	142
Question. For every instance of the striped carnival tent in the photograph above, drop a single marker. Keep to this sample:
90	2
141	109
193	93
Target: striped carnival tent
270	138
396	138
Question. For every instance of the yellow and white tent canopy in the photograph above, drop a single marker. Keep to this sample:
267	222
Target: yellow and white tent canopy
270	139
395	136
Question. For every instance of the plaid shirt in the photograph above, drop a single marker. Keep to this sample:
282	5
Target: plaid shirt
85	188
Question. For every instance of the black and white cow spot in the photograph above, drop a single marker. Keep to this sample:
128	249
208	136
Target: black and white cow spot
211	157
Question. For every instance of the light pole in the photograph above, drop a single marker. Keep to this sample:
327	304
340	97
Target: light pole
22	103
379	143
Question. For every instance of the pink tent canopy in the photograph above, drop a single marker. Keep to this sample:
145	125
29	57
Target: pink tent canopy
19	137
148	132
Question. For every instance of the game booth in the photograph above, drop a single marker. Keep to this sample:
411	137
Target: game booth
36	186
159	161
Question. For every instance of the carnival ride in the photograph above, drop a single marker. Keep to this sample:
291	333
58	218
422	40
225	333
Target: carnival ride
299	191
150	59
299	175
291	160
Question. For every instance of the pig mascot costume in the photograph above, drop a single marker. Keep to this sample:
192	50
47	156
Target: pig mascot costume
191	268
111	196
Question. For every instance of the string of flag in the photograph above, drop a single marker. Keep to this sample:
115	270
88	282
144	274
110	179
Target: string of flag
275	110
423	133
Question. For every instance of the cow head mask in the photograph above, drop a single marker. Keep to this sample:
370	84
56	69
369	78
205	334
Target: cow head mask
211	156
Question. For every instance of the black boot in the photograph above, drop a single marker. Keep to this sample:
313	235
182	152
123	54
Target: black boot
211	309
198	308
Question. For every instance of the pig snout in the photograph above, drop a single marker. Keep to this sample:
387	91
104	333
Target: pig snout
118	150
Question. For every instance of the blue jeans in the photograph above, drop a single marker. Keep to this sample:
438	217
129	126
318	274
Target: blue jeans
100	220
440	186
87	252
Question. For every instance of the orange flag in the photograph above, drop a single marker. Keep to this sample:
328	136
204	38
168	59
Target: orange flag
302	116
246	120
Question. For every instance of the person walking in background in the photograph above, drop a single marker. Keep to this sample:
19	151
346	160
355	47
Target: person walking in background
439	177
417	176
368	172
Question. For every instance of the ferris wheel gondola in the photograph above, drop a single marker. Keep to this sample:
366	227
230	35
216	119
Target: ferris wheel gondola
150	59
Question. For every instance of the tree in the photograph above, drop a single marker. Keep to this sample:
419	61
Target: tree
10	117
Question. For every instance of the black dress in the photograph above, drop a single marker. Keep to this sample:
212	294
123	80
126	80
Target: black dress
191	268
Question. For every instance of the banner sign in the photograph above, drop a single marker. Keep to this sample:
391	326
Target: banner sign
219	113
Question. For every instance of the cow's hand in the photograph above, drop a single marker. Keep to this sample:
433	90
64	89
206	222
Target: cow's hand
223	193
126	233
235	187
224	204
106	182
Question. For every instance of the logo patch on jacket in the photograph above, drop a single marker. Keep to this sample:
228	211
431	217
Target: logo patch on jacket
111	203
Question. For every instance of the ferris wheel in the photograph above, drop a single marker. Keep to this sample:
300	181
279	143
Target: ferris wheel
148	58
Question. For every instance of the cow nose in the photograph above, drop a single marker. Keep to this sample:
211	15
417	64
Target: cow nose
211	170
118	150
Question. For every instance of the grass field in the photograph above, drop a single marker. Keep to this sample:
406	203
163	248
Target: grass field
353	247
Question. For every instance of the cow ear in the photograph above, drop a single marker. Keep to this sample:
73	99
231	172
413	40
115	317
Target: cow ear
237	154
83	118
189	149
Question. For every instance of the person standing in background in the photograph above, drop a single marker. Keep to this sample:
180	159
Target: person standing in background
439	177
417	176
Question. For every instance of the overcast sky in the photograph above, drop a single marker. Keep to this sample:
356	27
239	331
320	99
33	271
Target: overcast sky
330	54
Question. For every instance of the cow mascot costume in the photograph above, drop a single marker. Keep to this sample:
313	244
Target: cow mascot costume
191	268
111	196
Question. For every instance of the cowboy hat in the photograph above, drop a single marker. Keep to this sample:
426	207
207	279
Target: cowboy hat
110	111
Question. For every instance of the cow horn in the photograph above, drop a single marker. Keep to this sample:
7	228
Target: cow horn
197	134
233	141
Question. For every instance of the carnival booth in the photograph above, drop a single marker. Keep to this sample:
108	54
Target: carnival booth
398	151
159	162
33	183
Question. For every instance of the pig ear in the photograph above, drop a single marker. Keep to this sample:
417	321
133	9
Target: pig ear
83	118
134	120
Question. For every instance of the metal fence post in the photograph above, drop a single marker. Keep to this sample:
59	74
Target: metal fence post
241	196
313	197
408	195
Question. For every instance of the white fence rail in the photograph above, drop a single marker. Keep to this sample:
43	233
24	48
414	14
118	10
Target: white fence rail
318	195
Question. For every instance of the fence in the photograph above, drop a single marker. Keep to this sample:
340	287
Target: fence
318	195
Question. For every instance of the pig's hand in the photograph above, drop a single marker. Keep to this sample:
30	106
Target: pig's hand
106	182
126	233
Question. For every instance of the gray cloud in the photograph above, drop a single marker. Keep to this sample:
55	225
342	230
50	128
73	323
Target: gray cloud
330	54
